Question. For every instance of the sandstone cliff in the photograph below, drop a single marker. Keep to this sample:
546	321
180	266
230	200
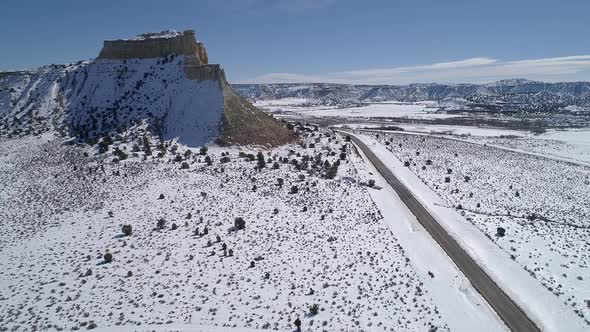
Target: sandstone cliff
155	45
176	108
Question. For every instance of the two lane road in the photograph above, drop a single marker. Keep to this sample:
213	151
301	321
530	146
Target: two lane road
512	315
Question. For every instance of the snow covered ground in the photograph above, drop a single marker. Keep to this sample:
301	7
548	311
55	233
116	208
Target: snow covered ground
105	96
573	144
305	107
451	130
287	107
420	110
308	240
542	204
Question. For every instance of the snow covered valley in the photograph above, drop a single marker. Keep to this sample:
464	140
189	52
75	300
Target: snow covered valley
218	238
533	209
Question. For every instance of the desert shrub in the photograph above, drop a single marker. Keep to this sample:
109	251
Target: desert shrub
447	179
203	150
240	223
314	309
294	190
184	165
261	162
371	183
500	232
108	257
161	223
332	171
103	145
127	230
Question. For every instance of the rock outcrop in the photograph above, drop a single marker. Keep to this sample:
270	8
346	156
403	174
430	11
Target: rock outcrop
239	122
156	45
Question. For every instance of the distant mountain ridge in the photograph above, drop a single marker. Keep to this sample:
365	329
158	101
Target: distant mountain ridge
513	91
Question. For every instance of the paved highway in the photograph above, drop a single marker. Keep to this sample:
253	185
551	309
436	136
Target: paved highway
509	312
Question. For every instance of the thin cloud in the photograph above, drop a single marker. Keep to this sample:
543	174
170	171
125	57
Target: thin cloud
468	70
436	66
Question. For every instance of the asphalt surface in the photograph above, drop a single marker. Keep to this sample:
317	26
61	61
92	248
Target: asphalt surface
507	310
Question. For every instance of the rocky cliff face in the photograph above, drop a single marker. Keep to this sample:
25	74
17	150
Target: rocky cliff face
156	45
160	80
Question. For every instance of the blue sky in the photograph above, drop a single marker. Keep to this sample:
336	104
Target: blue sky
371	41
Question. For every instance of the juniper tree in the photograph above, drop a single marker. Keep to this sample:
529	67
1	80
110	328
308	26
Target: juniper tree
240	223
108	257
127	230
261	163
161	223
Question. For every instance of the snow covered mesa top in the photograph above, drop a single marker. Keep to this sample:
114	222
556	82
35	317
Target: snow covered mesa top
156	45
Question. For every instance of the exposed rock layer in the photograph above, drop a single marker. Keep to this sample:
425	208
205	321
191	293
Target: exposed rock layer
242	123
182	44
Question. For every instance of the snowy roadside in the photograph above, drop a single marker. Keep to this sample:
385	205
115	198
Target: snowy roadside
542	307
459	302
178	328
530	153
